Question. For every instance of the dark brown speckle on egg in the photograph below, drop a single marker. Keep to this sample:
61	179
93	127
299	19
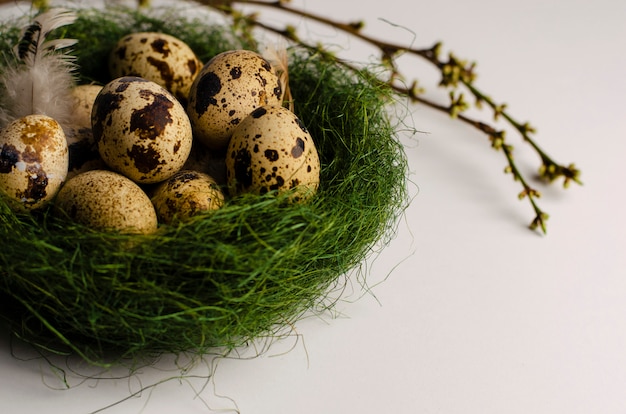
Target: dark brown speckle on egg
30	155
210	85
243	168
37	184
235	73
271	155
192	65
9	156
164	70
298	149
280	181
104	104
259	112
266	65
146	159
160	46
150	121
278	91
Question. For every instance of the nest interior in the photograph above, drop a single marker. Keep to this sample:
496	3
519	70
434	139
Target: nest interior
244	271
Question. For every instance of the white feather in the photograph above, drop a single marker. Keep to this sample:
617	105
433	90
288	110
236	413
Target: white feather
40	79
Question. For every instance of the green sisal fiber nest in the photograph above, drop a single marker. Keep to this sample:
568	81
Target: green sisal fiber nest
245	271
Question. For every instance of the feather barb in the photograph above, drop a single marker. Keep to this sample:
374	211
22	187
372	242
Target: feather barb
40	80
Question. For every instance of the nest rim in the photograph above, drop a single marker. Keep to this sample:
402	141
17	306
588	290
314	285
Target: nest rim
77	296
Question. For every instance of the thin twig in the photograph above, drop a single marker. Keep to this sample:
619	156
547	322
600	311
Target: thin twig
454	72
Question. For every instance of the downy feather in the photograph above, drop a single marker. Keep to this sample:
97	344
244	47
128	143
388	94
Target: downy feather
279	59
40	79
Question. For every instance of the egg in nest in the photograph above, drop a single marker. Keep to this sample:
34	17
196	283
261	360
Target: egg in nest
272	150
159	57
141	129
34	161
228	88
186	194
107	201
83	97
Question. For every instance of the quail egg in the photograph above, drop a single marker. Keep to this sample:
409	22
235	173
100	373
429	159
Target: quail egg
272	150
107	201
158	57
229	87
83	97
141	130
33	161
186	194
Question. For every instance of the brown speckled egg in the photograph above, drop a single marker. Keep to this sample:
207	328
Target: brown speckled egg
272	150
106	201
229	87
141	130
84	97
185	195
33	161
158	57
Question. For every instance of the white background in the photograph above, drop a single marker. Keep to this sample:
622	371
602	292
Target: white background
474	313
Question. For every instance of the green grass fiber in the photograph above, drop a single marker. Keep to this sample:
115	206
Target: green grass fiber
243	272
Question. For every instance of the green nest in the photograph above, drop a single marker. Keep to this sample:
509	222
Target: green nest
246	271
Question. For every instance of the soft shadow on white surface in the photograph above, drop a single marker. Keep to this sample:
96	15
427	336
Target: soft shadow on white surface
479	315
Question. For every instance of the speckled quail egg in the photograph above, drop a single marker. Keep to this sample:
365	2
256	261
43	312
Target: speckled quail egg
106	201
83	97
158	57
270	150
33	161
186	194
140	129
229	87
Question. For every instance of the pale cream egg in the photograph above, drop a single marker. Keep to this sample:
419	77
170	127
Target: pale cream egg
106	201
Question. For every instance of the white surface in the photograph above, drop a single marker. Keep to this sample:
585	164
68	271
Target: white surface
479	314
